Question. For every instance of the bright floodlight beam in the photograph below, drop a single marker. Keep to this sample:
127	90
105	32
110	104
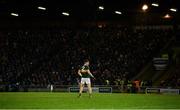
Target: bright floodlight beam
41	8
14	14
155	4
118	12
173	9
65	13
144	7
101	8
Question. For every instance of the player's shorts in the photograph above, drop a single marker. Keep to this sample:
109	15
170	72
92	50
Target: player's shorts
85	81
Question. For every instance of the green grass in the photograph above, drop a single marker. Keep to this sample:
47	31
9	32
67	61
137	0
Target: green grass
45	100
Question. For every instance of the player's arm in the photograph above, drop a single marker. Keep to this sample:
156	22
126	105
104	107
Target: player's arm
90	73
79	73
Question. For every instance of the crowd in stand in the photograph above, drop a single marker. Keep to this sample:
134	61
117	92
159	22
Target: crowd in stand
53	56
173	81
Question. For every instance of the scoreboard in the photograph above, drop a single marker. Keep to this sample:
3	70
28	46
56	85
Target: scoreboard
160	63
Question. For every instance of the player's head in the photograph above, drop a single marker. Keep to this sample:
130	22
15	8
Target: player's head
86	62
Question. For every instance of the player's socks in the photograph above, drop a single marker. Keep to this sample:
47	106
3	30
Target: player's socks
90	95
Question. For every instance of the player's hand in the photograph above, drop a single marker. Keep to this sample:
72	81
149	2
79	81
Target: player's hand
94	78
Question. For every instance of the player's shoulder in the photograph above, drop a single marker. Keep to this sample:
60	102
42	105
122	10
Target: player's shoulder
81	67
86	67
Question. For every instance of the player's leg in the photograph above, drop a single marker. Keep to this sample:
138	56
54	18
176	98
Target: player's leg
89	87
81	86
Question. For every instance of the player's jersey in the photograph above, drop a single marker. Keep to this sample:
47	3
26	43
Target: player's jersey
84	72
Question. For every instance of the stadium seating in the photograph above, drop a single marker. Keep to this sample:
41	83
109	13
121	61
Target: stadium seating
44	56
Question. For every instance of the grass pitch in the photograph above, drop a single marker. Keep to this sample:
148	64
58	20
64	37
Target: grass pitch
45	100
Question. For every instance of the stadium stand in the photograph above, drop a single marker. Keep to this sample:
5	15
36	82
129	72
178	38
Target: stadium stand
52	56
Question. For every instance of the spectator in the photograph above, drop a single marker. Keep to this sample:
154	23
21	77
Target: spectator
42	57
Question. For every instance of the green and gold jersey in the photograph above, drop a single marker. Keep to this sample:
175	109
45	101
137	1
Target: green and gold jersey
84	72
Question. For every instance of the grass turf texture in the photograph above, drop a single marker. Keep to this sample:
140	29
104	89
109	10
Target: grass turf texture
45	100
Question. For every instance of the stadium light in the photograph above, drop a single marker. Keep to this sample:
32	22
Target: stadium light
41	8
101	8
144	7
155	4
14	14
118	12
167	16
65	13
173	9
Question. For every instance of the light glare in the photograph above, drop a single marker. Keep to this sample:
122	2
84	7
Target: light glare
155	4
101	7
14	14
167	16
42	8
144	7
173	9
65	13
118	12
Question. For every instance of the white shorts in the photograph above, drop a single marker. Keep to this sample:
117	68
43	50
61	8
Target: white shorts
85	81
